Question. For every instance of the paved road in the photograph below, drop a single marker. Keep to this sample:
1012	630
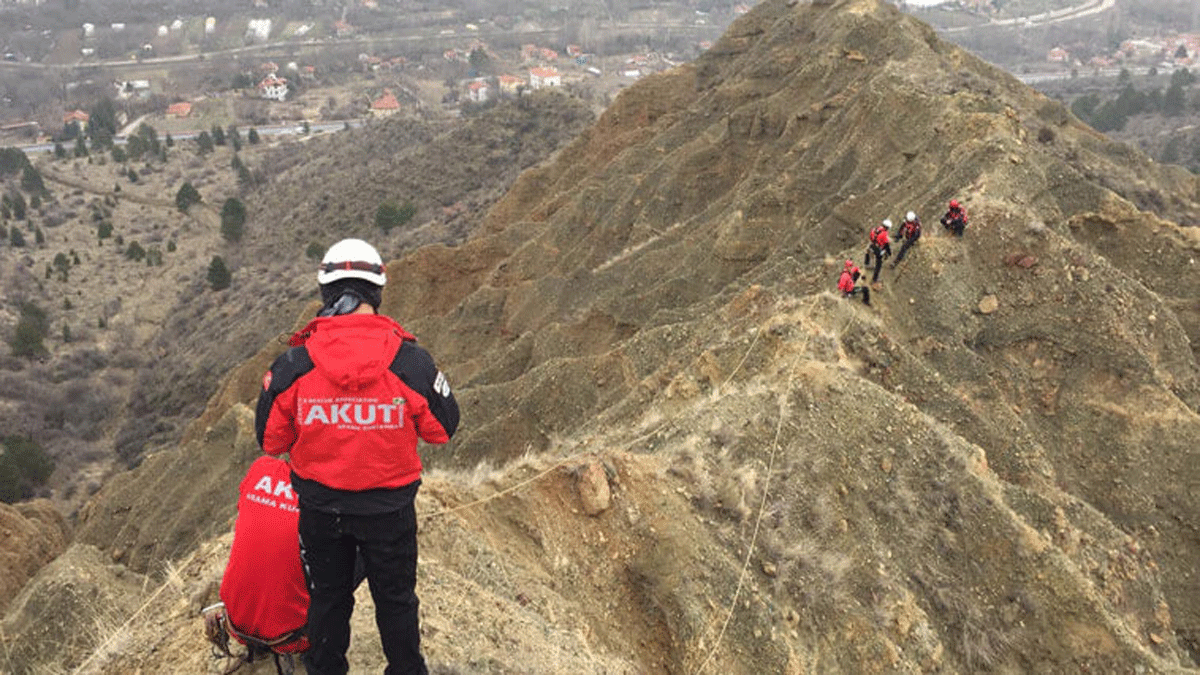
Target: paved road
1089	8
290	129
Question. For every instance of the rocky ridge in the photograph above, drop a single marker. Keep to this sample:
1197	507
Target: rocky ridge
991	468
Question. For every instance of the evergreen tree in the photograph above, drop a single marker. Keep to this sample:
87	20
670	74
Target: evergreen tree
59	151
31	181
135	251
252	136
219	276
233	220
102	123
32	328
17	202
1174	101
218	135
186	196
204	143
80	147
24	466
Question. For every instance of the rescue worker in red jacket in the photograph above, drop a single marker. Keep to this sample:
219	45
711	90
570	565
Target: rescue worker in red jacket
349	401
846	281
910	232
955	219
879	246
262	605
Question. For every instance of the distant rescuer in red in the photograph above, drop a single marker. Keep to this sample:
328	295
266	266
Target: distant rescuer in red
349	402
878	246
955	219
849	276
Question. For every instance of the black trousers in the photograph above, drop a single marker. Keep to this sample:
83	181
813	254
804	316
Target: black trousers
387	544
904	249
878	252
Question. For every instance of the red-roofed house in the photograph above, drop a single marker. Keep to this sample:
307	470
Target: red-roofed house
1057	55
509	83
385	105
544	77
180	109
477	91
76	116
274	88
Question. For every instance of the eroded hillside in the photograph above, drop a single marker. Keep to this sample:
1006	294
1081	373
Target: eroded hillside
993	467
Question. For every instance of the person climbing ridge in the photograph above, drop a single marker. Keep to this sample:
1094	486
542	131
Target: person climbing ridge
955	219
879	247
910	232
846	283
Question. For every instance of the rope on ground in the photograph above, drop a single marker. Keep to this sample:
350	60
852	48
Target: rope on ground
757	525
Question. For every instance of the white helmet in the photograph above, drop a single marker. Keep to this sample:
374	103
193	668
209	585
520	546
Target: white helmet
910	216
352	259
887	223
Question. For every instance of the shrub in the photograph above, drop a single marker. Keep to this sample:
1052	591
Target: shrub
388	215
135	251
15	237
314	251
32	328
23	467
104	230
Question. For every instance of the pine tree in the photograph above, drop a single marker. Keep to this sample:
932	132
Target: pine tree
187	196
233	220
219	276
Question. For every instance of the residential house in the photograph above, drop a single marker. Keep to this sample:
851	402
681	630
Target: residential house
77	116
273	88
1058	55
180	109
128	88
477	91
342	28
544	77
574	51
386	105
509	84
258	29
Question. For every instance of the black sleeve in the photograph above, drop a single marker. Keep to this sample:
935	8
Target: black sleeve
284	372
415	367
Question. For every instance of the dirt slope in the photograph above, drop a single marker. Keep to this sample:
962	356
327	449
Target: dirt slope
992	468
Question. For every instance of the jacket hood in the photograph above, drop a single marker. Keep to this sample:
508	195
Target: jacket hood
353	350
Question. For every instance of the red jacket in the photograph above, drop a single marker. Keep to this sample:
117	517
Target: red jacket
263	586
910	229
879	236
350	403
846	282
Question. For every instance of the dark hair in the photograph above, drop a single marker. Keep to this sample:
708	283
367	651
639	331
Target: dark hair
358	290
